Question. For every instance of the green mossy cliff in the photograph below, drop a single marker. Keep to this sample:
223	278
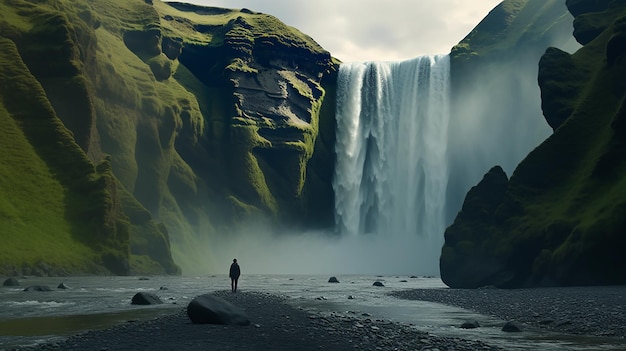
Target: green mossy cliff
136	131
561	217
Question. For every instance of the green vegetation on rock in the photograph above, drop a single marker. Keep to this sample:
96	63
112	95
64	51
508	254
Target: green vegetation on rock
148	128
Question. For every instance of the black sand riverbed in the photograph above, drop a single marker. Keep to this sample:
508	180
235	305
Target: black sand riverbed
277	325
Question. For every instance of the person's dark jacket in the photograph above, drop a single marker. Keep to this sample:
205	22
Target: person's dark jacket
234	271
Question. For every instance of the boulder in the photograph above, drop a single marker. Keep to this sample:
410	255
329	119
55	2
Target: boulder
511	327
144	298
63	286
378	283
209	309
38	288
333	280
11	282
473	324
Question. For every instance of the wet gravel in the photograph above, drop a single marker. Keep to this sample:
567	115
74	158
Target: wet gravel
593	311
275	325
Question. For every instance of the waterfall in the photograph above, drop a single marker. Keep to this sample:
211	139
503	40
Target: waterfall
392	168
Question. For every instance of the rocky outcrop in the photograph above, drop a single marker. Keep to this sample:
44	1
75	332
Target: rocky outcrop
463	262
560	218
268	123
560	81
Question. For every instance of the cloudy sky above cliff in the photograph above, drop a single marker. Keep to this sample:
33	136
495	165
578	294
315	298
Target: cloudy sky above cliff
367	30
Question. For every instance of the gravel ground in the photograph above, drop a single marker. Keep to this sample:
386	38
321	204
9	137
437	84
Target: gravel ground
593	311
276	325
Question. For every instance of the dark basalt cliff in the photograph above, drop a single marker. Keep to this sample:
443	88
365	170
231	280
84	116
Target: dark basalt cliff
135	131
561	217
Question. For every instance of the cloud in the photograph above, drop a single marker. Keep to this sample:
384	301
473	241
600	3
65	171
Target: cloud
366	30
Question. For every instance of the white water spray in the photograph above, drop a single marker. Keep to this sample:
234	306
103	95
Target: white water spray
392	171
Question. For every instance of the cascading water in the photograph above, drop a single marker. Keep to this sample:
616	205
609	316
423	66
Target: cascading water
392	169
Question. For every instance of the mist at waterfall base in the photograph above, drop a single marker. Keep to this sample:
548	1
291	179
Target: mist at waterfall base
404	165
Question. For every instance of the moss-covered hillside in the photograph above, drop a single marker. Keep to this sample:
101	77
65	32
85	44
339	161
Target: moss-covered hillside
137	130
561	217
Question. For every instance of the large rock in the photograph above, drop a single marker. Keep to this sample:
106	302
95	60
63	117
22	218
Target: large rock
11	282
144	298
209	309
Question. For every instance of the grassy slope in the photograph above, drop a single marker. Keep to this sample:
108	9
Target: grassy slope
35	224
582	184
86	227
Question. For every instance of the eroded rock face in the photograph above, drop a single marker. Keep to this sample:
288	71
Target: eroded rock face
268	122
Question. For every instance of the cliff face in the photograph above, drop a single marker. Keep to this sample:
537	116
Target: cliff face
151	127
560	219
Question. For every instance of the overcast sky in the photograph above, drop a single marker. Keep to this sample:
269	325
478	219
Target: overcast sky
367	30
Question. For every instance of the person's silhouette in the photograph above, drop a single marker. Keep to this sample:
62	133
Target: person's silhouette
234	274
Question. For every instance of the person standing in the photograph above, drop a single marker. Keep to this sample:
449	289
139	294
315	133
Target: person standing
234	274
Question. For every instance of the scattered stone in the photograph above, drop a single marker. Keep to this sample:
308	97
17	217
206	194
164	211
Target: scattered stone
563	323
350	297
11	282
378	283
63	286
470	325
209	309
144	298
38	288
143	278
163	288
333	280
511	327
403	281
